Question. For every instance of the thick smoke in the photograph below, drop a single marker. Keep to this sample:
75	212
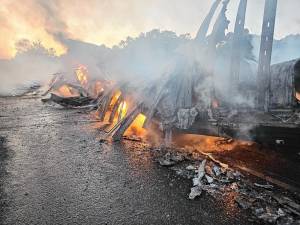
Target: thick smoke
138	60
142	59
32	65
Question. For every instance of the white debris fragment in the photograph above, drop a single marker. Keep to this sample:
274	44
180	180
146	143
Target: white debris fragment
195	191
200	173
217	170
209	179
191	167
171	159
196	182
280	212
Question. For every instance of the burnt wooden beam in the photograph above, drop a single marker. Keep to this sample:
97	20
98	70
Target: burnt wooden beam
115	108
125	124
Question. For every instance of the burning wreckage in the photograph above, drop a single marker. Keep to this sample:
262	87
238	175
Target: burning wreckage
216	88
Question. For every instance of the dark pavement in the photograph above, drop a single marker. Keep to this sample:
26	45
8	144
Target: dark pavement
54	171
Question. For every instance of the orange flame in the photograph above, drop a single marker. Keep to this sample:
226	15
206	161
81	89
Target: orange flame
115	98
122	110
136	128
82	75
66	91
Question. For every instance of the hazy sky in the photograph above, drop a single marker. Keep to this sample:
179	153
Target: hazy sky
109	21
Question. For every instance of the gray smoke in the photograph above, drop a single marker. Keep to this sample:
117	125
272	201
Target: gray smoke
142	59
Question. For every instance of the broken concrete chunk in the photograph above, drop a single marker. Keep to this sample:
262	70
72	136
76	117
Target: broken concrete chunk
196	182
195	192
201	170
200	173
209	179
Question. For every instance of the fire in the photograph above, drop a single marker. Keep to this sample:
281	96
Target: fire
136	128
66	91
115	98
82	75
112	103
122	110
209	144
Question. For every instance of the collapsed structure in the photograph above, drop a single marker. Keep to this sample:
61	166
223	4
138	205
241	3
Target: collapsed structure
215	88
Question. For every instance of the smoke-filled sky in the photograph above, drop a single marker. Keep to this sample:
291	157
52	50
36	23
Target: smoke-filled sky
110	21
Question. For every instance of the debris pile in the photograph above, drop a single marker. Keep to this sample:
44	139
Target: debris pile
265	202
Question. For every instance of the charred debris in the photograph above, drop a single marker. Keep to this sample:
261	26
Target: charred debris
214	87
265	202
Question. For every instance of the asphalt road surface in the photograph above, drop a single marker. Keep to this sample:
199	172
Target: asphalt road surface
53	170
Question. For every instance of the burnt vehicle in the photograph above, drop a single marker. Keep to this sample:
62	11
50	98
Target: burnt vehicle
222	90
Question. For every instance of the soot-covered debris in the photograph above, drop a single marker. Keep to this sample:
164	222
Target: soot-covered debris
170	159
266	203
69	101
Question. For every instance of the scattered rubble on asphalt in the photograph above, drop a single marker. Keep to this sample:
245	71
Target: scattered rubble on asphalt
170	159
218	180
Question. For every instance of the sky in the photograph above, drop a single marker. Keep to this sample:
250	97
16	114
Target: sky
110	21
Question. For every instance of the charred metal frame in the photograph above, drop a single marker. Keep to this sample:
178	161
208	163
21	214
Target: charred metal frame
265	55
236	55
276	109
